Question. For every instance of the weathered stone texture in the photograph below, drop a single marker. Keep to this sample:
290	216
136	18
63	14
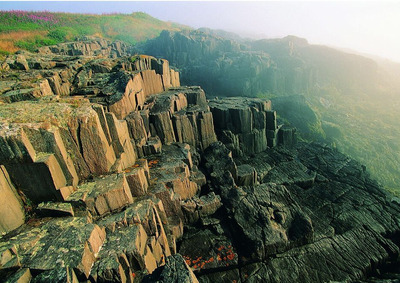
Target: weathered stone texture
12	214
104	194
175	270
128	171
244	124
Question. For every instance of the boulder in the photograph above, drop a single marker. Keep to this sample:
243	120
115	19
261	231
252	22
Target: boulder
152	146
125	253
217	160
20	63
43	179
152	82
170	200
206	251
51	141
183	129
271	205
45	250
137	130
97	152
200	207
163	125
173	119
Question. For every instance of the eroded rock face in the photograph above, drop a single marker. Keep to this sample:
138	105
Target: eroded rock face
248	125
118	168
174	270
216	63
289	220
89	46
12	212
103	71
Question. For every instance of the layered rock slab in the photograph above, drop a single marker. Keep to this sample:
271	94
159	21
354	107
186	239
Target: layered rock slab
67	242
182	115
313	227
246	125
12	213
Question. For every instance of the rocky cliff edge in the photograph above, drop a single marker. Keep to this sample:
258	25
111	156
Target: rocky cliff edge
113	172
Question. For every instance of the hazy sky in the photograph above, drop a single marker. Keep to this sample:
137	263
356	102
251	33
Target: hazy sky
370	27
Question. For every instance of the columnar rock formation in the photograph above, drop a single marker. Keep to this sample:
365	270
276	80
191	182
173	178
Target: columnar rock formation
228	65
106	143
109	169
248	125
12	214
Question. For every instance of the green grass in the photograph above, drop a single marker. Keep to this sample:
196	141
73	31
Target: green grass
364	126
60	27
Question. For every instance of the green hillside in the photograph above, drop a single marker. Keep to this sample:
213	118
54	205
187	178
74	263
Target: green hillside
30	30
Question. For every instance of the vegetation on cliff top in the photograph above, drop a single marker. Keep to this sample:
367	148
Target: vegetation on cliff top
30	30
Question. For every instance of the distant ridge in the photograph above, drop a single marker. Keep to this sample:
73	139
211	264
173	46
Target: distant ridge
31	30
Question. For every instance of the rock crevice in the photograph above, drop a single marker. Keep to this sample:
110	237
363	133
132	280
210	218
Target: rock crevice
110	171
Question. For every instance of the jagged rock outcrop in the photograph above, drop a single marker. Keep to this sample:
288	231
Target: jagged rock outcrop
78	161
227	66
93	68
215	63
248	125
89	46
112	169
311	224
12	214
174	270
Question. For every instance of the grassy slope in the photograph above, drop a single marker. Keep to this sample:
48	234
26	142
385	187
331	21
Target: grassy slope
369	129
30	30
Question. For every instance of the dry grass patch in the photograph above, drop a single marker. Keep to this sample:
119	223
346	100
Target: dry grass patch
8	39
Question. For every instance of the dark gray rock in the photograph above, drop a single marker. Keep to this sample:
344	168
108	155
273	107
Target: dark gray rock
175	270
219	164
247	176
208	251
287	136
333	228
290	172
243	124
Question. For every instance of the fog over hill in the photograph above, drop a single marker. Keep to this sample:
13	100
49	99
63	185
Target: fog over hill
352	98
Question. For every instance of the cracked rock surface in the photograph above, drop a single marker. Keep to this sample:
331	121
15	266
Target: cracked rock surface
110	171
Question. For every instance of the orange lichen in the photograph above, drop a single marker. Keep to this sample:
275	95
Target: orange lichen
209	260
153	163
224	255
129	169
